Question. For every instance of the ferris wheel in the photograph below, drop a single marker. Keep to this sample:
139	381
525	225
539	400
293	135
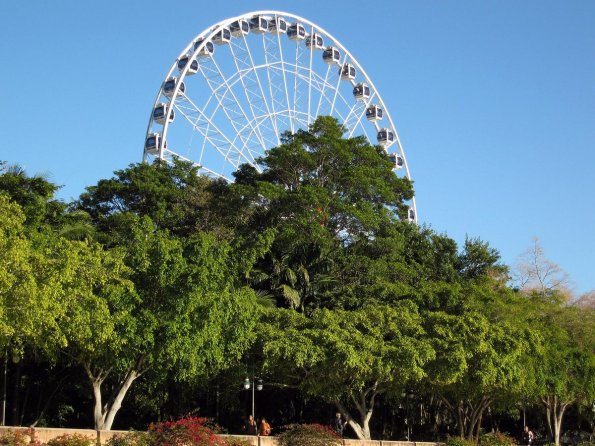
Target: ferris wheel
239	84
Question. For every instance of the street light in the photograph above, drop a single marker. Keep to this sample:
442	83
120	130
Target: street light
257	384
408	395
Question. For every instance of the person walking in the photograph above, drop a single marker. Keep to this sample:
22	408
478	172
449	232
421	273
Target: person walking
528	436
339	424
265	428
250	426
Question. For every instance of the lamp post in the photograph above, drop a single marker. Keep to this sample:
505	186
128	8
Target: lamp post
257	384
408	395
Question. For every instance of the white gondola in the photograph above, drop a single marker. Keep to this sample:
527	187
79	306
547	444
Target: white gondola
192	69
411	215
373	113
159	113
222	37
206	50
397	160
296	31
278	25
331	55
239	28
153	144
314	41
347	72
258	24
170	85
361	92
385	137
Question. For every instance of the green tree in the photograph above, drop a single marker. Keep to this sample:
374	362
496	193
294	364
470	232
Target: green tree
187	314
172	195
564	370
349	357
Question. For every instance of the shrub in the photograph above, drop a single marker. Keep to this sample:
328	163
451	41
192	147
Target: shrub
183	432
237	442
15	438
129	439
72	440
308	435
496	439
458	441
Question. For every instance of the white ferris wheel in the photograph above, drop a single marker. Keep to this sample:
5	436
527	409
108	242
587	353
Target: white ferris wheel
239	84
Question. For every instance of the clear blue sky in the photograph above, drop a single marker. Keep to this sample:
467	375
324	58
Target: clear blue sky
494	101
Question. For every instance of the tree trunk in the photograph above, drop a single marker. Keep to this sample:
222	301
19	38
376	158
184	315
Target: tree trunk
104	414
476	416
554	410
16	391
365	409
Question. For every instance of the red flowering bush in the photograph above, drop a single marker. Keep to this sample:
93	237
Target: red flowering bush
183	432
72	440
308	435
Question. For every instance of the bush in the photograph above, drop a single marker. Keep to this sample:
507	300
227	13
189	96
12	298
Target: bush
497	439
72	440
15	438
458	441
237	442
308	435
183	432
129	439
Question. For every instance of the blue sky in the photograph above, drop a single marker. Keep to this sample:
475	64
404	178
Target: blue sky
494	101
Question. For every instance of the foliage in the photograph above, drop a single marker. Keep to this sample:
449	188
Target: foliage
349	357
173	196
497	439
133	438
308	435
458	441
71	440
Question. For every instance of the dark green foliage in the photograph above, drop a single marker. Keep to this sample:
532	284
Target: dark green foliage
172	195
308	435
496	439
457	441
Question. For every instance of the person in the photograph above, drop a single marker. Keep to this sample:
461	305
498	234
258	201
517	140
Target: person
339	424
250	426
528	436
265	428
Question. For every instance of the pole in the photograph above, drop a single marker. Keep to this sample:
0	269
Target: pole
4	387
253	385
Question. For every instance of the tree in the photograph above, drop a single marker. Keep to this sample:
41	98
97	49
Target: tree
173	195
187	314
349	358
564	371
534	273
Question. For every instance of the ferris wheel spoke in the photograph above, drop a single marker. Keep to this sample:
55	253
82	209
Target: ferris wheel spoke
242	66
322	92
337	85
260	97
357	112
221	89
270	57
310	74
205	126
286	89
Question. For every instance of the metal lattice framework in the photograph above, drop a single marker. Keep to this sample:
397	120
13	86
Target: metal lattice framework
239	84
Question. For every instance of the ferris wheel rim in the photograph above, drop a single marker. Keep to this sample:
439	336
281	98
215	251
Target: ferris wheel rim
207	35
